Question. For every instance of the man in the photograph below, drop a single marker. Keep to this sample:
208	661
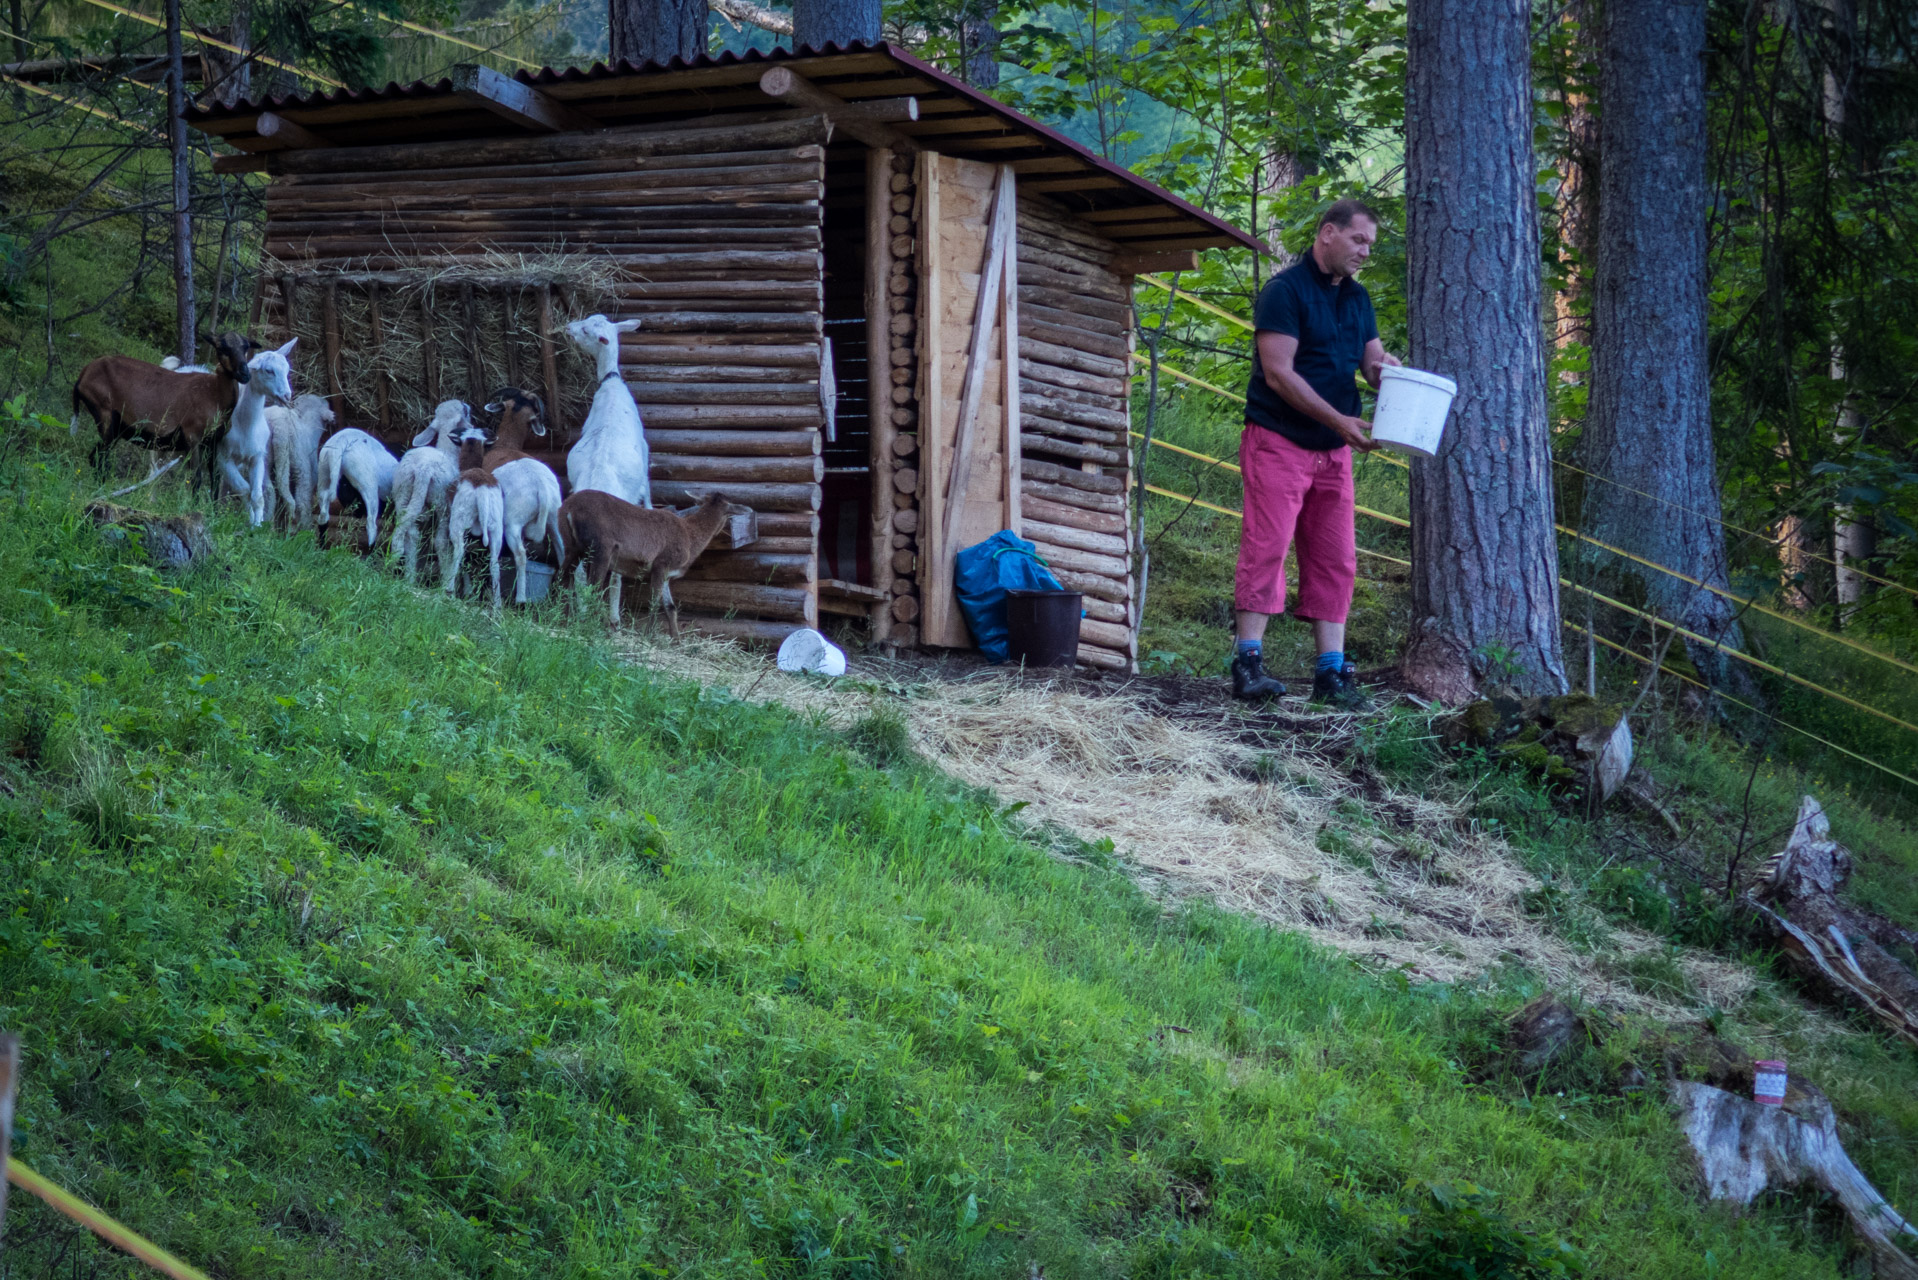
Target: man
1316	330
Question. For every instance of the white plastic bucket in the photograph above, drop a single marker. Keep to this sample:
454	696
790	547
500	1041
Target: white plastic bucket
1411	411
807	650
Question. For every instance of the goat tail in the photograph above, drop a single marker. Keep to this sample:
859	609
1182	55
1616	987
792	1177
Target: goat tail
327	485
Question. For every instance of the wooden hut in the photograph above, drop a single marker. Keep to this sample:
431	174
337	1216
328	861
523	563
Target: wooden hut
886	311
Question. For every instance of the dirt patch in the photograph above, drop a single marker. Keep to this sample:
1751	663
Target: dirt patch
1252	811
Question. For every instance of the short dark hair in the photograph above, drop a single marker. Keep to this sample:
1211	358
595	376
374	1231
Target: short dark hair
1341	213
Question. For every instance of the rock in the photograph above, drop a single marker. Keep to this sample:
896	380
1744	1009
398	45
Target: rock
1543	1030
170	542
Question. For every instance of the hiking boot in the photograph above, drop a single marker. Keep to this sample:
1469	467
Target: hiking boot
1340	689
1249	679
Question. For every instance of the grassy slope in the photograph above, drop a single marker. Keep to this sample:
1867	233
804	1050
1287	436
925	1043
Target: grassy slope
348	931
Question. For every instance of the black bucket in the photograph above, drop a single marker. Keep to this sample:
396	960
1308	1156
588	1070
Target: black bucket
1043	627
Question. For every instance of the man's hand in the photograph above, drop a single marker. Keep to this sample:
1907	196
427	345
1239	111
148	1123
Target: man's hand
1376	357
1355	432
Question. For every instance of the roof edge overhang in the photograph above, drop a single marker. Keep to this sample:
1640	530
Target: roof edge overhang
411	112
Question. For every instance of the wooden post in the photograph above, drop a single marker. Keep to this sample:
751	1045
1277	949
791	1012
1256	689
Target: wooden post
979	353
878	378
469	322
1009	361
382	394
9	1077
289	306
330	353
549	365
509	317
429	349
931	377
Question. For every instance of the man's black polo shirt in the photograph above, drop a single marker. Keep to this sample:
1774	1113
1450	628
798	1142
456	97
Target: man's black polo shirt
1332	323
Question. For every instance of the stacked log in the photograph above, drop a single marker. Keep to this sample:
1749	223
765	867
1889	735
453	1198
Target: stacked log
1074	417
707	232
896	457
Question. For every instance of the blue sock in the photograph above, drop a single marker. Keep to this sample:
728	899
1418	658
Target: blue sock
1250	646
1332	660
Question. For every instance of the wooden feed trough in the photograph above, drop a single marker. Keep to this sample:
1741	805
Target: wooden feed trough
883	310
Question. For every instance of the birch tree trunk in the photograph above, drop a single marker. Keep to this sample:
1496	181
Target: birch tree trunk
1649	427
818	23
182	186
641	31
1484	554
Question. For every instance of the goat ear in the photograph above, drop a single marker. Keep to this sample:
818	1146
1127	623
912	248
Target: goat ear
626	326
495	407
425	437
287	350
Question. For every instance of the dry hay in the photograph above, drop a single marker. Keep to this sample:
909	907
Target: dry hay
1404	884
484	330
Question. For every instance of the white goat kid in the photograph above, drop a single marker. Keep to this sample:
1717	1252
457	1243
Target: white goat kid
295	459
423	482
611	454
363	462
529	498
244	448
477	508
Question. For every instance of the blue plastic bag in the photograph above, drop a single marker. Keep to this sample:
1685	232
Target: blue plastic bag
983	574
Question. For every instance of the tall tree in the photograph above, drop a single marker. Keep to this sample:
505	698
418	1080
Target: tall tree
818	23
1648	431
182	185
642	31
1484	553
979	43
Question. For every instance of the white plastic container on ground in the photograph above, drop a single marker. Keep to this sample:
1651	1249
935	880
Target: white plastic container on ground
807	650
1412	408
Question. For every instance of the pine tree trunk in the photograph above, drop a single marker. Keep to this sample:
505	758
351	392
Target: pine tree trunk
979	44
642	31
182	186
818	23
1649	427
1484	554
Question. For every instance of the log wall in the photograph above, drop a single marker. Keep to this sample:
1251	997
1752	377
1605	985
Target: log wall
708	232
1075	346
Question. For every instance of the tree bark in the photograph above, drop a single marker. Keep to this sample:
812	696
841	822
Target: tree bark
979	44
1484	553
642	31
182	186
818	23
1649	429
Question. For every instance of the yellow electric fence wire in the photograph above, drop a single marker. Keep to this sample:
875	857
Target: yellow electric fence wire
1182	376
219	44
1620	605
106	1228
417	29
63	100
1699	684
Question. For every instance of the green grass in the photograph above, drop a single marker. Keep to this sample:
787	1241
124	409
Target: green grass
349	932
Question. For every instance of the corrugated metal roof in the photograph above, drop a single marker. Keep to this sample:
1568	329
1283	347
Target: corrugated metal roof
955	119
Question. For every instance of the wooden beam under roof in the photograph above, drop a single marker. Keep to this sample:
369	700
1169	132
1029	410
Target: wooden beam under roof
517	103
277	133
787	85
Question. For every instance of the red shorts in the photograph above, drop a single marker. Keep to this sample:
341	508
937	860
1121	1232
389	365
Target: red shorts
1303	497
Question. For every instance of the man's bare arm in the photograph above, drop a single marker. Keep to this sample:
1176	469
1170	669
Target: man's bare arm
1276	351
1376	357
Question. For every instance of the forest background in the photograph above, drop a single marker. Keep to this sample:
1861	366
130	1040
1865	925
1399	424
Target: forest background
1262	113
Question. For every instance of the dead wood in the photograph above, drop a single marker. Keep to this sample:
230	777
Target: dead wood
170	542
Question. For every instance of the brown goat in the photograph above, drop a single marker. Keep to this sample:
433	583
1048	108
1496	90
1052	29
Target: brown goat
160	409
619	540
521	413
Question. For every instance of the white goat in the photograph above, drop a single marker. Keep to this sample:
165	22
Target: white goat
529	497
477	507
243	449
363	462
295	457
611	454
423	482
172	364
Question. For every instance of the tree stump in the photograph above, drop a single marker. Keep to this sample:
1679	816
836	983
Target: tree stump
170	542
